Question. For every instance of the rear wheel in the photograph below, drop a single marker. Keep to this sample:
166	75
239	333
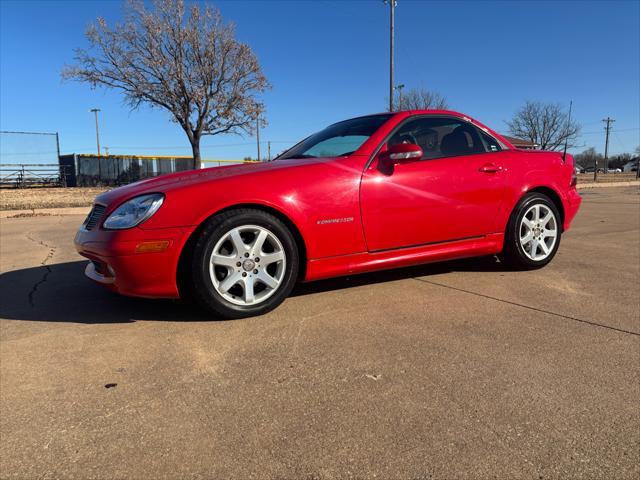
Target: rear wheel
244	263
533	233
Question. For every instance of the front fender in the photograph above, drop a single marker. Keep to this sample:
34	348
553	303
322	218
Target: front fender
321	200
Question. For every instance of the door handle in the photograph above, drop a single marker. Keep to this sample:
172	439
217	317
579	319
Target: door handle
490	168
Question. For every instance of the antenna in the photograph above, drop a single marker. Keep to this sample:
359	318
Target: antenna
566	140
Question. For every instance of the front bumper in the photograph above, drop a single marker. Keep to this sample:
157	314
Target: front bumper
118	263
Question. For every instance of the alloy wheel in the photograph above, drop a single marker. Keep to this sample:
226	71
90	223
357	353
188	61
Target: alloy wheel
538	232
247	265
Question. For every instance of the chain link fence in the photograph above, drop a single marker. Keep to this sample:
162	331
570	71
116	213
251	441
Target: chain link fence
21	175
112	170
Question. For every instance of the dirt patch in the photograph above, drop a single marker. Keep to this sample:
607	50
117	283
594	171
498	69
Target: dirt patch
32	198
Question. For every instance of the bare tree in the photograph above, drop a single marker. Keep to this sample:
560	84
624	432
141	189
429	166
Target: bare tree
545	124
420	99
588	158
190	65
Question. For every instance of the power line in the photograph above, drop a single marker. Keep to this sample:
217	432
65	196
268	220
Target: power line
619	130
155	147
3	154
29	133
615	134
169	147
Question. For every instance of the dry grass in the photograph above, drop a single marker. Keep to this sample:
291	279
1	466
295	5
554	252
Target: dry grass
30	198
607	178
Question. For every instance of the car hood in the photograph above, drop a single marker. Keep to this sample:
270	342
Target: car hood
191	177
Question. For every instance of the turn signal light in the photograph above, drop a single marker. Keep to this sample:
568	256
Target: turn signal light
152	247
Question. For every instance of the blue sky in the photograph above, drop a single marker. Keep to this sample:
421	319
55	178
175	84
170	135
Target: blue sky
328	60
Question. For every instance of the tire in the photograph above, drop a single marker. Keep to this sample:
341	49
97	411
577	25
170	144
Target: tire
530	243
244	263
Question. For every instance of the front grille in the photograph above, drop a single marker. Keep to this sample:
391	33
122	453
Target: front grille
94	217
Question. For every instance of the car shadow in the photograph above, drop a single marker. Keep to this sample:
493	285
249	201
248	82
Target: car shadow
61	293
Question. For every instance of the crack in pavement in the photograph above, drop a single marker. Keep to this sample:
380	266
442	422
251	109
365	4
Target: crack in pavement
567	317
36	285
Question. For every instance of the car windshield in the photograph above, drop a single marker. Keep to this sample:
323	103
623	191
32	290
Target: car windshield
337	140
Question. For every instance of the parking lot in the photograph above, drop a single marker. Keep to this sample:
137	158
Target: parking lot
455	370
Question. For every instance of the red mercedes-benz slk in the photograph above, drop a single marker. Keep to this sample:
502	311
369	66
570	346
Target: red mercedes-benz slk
370	193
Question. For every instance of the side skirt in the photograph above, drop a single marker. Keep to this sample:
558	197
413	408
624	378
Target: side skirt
403	257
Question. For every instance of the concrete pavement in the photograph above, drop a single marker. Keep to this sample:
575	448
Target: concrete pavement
455	370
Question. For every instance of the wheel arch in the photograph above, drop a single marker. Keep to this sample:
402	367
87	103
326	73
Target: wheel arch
553	196
183	261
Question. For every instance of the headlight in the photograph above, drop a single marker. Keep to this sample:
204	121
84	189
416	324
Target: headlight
133	212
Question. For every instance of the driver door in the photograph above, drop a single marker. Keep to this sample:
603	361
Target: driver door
452	193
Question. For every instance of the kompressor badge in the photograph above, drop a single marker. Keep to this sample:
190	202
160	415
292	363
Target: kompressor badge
335	220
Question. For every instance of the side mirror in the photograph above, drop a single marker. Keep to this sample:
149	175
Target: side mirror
401	153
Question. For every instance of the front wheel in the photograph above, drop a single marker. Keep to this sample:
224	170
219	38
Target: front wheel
533	233
244	263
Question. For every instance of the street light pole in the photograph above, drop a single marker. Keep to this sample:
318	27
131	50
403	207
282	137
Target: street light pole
392	5
95	111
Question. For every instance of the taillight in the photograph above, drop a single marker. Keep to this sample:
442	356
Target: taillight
574	179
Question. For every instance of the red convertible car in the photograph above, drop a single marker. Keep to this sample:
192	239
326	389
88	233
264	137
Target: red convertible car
374	192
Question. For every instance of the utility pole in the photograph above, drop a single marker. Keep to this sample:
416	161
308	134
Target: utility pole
608	121
392	5
258	135
269	150
95	111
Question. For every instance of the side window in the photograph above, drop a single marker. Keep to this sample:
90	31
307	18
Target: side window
490	143
443	137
